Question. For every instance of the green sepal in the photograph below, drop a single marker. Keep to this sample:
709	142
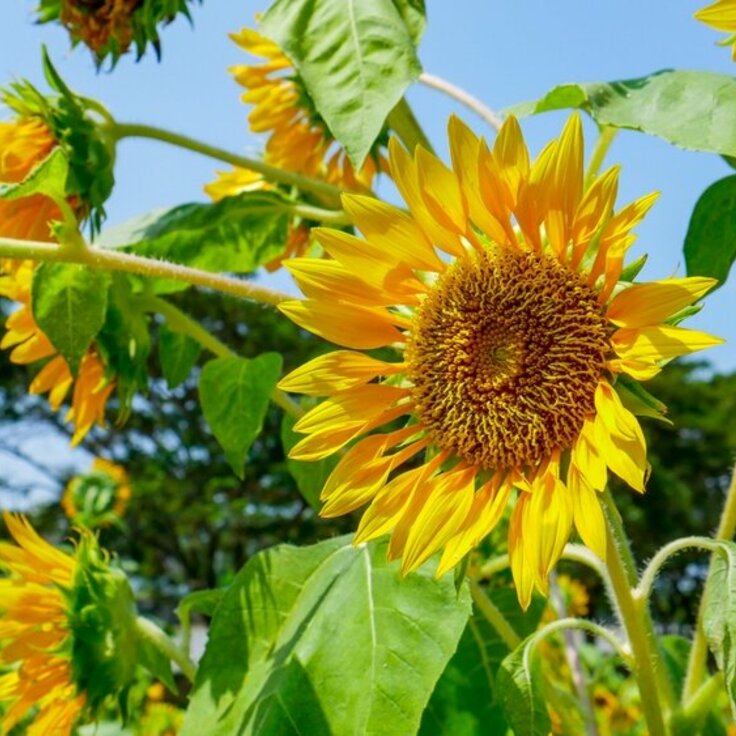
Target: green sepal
630	272
639	401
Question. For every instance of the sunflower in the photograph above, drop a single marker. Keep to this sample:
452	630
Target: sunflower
99	497
721	15
299	139
34	634
24	143
499	291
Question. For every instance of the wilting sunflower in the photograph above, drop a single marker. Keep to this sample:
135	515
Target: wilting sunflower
99	497
34	634
721	15
24	143
299	140
509	351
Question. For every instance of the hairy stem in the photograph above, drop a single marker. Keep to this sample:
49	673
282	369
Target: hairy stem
403	122
696	666
132	130
183	323
112	260
464	98
635	617
494	617
154	635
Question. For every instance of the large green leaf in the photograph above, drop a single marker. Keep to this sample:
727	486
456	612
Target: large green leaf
310	477
693	110
355	57
234	393
327	640
414	14
719	619
237	234
178	354
69	304
465	702
710	243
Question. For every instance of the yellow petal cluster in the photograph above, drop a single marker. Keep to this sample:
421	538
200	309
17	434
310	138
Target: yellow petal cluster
34	634
499	292
721	15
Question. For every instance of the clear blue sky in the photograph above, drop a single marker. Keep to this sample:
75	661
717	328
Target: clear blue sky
504	52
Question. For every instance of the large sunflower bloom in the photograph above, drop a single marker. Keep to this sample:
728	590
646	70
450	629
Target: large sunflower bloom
34	634
299	139
510	351
721	15
24	143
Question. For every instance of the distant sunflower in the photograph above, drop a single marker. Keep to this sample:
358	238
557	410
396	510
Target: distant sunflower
721	15
34	634
99	497
509	351
24	143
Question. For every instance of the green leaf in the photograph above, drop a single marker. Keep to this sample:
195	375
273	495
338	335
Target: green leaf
200	601
48	178
521	690
414	14
356	59
178	354
719	615
157	664
234	393
327	639
310	477
710	243
693	110
237	234
69	304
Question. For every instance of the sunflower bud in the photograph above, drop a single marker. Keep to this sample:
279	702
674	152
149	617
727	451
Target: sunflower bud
98	498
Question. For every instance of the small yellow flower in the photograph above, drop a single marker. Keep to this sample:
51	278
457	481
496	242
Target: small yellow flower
721	15
299	139
34	634
98	498
24	143
509	352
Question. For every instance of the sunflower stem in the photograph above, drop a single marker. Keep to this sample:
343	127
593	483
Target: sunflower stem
403	122
605	139
464	98
154	635
112	260
648	669
183	323
696	666
691	715
329	193
493	615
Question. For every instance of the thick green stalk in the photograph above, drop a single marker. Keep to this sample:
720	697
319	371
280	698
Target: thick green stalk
696	666
689	719
132	130
150	632
403	122
634	612
113	260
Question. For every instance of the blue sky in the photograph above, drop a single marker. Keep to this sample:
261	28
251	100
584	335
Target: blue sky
503	52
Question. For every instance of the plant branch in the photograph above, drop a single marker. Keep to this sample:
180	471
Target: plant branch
605	139
463	97
113	260
132	130
494	617
154	635
696	665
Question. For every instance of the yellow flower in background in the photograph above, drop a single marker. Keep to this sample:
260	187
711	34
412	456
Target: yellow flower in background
99	497
299	139
34	634
721	15
509	352
24	143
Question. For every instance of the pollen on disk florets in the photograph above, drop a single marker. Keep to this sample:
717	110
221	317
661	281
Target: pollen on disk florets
505	354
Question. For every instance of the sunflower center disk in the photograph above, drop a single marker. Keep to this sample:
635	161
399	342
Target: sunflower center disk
505	355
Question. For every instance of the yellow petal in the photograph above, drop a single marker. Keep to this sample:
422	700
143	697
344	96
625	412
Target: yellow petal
654	302
587	458
521	551
345	324
720	15
587	512
393	231
662	342
441	192
512	157
336	371
595	209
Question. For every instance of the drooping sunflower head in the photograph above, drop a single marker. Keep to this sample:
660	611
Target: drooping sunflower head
98	498
299	139
500	294
721	15
66	626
